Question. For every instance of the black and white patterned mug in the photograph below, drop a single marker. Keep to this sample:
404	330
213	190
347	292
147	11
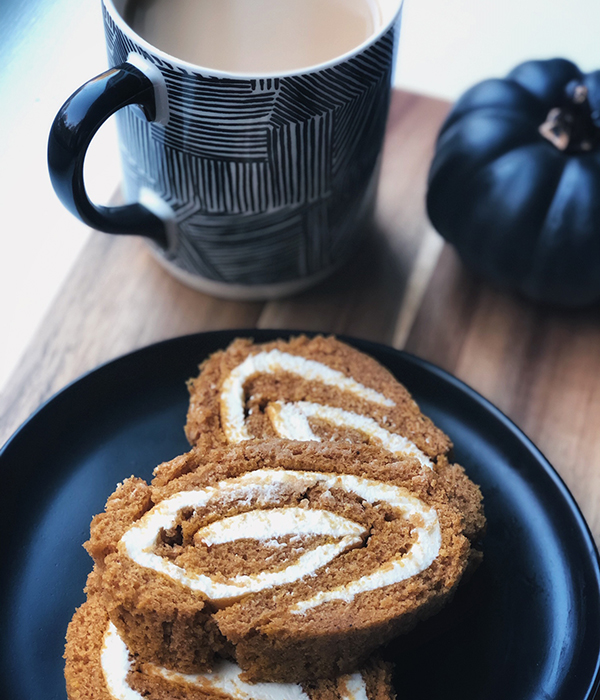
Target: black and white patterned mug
247	186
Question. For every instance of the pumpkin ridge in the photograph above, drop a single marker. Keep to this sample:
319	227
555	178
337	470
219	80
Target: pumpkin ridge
510	112
494	94
470	230
445	149
551	256
528	283
545	79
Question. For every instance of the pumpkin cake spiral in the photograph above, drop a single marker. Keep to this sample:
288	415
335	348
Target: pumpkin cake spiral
297	559
99	666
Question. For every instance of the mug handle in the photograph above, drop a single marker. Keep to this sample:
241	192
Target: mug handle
72	131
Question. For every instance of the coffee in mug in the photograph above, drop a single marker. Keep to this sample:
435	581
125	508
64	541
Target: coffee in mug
251	168
254	36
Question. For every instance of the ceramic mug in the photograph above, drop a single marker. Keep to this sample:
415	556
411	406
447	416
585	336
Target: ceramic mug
259	206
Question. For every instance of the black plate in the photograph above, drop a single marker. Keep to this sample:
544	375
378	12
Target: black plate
527	625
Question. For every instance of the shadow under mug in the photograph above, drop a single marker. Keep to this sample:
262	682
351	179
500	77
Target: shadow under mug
248	187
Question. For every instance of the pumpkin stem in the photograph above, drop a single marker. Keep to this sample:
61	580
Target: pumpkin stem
571	128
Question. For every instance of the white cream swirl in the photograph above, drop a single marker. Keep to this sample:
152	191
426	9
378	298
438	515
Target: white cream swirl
226	679
290	420
116	664
263	490
115	661
355	687
273	362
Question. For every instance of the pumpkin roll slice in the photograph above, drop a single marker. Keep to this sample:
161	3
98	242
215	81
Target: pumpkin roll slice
317	387
320	389
99	666
298	559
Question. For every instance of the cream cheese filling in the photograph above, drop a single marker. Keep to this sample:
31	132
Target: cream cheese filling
264	488
115	661
356	688
277	522
226	679
272	362
290	420
421	555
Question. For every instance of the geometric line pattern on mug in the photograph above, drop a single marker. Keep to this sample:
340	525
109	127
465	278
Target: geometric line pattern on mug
270	179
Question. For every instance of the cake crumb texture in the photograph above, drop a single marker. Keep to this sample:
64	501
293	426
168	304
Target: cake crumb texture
164	621
87	672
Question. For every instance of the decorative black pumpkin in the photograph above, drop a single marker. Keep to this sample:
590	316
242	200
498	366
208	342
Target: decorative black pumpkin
515	181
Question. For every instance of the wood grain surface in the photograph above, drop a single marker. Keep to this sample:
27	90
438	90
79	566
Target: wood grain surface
541	366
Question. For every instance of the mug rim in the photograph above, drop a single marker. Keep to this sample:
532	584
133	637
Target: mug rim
213	72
